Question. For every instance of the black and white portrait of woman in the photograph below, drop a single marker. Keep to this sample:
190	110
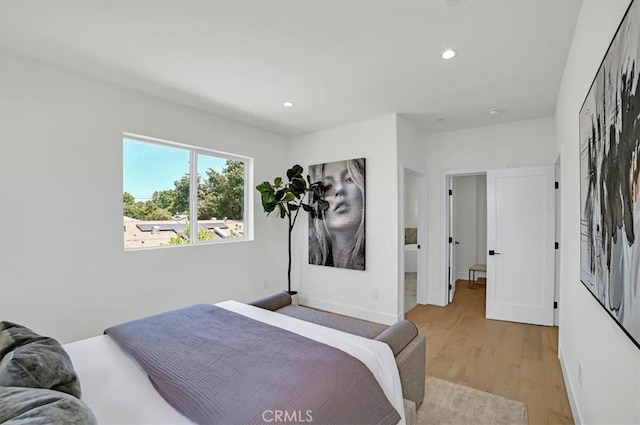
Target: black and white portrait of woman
337	235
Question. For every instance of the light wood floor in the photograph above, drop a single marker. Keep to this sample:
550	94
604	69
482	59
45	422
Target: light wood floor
512	360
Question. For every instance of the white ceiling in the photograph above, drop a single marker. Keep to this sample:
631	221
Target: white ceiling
339	61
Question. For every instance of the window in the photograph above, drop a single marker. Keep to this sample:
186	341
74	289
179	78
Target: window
175	194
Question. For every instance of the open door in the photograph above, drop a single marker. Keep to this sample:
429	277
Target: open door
520	243
452	238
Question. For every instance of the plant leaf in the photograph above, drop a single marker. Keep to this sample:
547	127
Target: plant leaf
264	186
295	171
277	181
280	194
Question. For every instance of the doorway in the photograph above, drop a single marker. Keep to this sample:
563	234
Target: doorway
412	250
467	231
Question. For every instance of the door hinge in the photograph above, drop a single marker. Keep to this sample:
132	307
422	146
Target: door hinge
449	286
555	304
557	185
557	245
450	192
450	240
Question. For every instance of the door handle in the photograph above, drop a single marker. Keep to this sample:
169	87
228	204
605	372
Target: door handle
457	243
492	252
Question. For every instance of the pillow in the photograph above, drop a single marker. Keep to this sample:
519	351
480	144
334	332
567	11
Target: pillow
35	406
12	336
32	360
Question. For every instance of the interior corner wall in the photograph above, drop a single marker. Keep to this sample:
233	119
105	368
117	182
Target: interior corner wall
343	290
519	144
64	271
610	392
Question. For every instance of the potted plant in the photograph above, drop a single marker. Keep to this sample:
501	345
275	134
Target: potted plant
289	199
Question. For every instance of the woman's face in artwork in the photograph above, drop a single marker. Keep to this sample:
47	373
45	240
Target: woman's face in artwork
344	197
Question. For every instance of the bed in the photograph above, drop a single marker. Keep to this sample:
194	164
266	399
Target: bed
118	390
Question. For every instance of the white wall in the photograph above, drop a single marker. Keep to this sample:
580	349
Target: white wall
588	335
519	144
466	224
63	268
343	290
410	200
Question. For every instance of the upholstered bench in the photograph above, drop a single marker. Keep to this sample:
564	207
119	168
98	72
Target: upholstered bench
409	348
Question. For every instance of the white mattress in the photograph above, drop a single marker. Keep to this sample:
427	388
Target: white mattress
119	391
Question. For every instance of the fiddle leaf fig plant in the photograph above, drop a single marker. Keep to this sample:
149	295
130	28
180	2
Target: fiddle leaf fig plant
289	198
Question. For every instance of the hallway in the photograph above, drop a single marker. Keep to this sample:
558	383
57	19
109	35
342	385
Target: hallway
513	360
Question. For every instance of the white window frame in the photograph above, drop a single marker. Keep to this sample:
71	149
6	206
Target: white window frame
194	151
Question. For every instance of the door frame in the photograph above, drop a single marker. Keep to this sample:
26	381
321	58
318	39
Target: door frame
422	257
558	257
445	178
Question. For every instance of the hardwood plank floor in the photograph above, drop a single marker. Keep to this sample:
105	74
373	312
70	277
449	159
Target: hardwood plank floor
512	360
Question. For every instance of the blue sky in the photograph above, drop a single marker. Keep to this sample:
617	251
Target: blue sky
149	167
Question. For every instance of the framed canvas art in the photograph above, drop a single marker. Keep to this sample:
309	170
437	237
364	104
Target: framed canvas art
610	179
337	235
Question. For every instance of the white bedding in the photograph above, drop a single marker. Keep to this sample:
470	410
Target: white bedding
119	391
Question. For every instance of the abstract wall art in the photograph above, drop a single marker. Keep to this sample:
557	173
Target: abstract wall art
337	235
610	179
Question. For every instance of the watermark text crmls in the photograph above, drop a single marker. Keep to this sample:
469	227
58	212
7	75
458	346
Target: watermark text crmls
276	416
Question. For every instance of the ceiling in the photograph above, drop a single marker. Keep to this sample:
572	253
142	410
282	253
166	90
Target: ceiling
339	61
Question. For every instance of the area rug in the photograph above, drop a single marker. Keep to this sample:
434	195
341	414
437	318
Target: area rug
446	403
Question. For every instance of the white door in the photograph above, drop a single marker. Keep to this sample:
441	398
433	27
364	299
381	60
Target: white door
520	241
452	238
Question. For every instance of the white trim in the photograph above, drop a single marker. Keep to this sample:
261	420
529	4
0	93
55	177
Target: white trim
347	310
199	149
247	214
435	300
557	236
568	384
422	290
194	151
193	197
401	254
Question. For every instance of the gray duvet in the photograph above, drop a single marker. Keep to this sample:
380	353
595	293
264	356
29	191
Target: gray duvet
219	367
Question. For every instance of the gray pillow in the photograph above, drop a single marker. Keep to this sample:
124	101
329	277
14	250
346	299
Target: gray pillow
35	406
35	361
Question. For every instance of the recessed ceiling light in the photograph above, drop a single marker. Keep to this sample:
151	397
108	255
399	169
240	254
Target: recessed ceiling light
288	104
494	111
448	54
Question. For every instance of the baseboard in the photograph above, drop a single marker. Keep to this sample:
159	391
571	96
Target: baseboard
568	384
347	310
433	300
